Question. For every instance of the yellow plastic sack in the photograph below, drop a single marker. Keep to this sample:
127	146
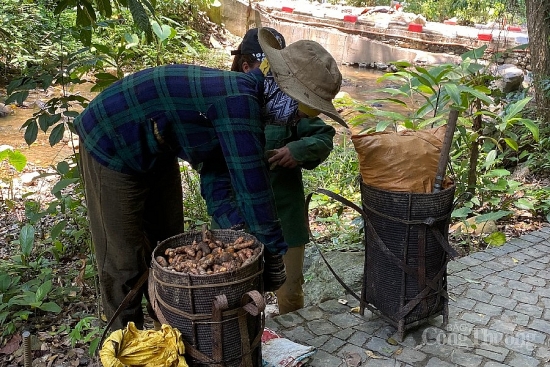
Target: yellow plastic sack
144	348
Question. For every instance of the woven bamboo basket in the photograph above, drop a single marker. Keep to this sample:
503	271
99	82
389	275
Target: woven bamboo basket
220	315
406	254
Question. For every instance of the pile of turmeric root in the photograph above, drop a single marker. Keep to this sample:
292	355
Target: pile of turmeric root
210	255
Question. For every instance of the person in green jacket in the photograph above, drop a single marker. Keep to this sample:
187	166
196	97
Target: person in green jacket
295	140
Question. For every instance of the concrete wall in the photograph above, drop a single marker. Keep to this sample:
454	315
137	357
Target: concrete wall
345	47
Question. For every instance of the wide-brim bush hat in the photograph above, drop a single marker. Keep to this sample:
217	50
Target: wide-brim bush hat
306	71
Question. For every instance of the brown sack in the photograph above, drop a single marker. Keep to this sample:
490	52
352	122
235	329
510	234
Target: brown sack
405	161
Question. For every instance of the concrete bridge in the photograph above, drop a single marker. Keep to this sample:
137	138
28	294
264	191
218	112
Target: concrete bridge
355	39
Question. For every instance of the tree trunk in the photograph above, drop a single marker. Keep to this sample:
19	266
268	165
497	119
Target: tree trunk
538	25
474	151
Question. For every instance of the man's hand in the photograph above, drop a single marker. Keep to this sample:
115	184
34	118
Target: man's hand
281	157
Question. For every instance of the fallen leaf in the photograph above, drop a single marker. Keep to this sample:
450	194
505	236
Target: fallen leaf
352	359
371	354
52	359
12	345
515	260
355	309
392	341
472	281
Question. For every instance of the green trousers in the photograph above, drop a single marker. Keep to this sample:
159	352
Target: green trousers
129	215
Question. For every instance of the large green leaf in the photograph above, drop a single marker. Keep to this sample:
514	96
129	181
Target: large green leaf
163	32
63	184
382	125
17	160
477	94
82	17
515	108
461	212
63	167
490	159
31	132
22	84
496	239
104	8
57	134
56	230
428	83
492	216
26	239
530	124
5	282
3	316
525	204
499	172
61	6
392	91
85	36
474	54
453	92
103	80
512	143
150	5
43	290
17	97
43	122
141	19
132	40
50	307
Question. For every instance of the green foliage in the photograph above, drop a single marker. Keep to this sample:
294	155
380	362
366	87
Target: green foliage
27	290
339	174
470	11
14	158
11	161
86	331
538	159
28	282
194	205
30	35
112	47
491	130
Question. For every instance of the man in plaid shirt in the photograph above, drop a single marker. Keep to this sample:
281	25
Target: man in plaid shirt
131	136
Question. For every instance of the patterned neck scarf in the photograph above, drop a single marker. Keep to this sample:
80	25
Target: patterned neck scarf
278	107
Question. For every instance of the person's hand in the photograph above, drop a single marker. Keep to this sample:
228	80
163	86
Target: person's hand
281	157
274	271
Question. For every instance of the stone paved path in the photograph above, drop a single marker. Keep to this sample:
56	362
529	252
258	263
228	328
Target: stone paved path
499	315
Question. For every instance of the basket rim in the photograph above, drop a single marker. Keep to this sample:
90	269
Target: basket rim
452	187
156	266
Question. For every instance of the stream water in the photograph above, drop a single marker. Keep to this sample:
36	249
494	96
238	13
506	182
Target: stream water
359	83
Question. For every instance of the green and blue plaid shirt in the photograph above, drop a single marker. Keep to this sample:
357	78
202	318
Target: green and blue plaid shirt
204	116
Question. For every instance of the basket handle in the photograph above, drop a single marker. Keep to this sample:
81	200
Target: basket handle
125	302
344	201
218	306
251	303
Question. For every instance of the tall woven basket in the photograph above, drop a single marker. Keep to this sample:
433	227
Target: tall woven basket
220	315
406	254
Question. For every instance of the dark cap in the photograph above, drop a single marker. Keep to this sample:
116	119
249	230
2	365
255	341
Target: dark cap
251	46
